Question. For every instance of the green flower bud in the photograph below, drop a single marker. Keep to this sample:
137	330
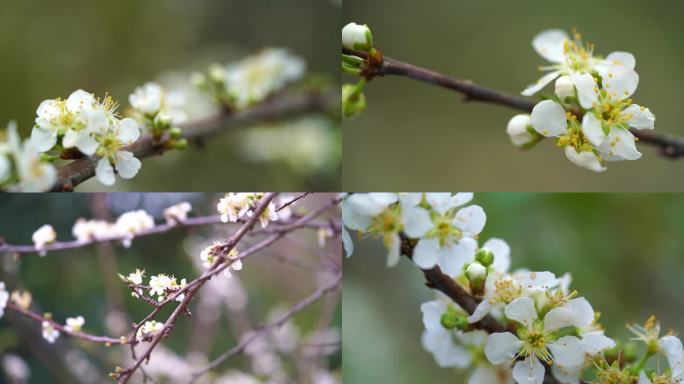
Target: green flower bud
181	144
476	273
485	257
353	101
357	36
175	133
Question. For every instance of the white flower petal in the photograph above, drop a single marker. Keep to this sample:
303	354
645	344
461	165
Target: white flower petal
105	172
432	314
445	351
502	254
641	117
440	201
529	371
548	118
347	242
550	44
42	139
129	131
541	83
595	342
48	110
461	198
454	256
470	220
622	144
502	347
79	100
484	375
5	168
393	250
621	82
522	310
584	159
576	313
567	375
480	312
587	91
427	253
567	351
624	59
643	379
127	165
410	199
591	127
416	221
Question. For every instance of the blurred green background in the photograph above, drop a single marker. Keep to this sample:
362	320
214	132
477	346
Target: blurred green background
50	48
624	252
83	282
413	134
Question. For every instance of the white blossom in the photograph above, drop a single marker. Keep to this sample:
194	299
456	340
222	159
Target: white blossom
177	213
234	206
518	130
42	237
371	212
133	223
137	276
147	99
159	285
49	332
74	324
150	327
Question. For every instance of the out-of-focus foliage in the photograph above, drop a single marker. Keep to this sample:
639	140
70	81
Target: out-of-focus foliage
414	134
84	282
623	251
49	49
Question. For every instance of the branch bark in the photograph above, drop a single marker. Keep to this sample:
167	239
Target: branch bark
669	147
278	107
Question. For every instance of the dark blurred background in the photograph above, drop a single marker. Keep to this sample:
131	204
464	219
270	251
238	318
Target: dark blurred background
413	134
83	282
624	253
48	49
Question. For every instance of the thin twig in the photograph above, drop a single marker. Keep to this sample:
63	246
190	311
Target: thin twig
278	107
670	147
279	321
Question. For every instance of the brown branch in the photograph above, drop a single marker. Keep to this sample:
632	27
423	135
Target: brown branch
278	107
79	335
279	321
191	289
277	226
670	147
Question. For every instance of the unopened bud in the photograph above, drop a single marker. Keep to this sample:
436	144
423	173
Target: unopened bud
485	257
357	36
353	101
519	132
476	273
564	88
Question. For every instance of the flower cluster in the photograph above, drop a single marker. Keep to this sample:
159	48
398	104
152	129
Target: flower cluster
85	125
548	329
211	254
150	327
591	113
247	82
160	112
235	206
21	167
355	37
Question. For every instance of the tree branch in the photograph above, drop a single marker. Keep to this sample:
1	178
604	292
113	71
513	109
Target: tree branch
670	147
278	107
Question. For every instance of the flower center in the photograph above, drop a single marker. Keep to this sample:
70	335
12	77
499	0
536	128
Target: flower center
577	54
535	344
386	222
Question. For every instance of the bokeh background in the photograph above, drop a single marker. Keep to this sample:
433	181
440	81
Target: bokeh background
413	134
84	282
49	49
624	252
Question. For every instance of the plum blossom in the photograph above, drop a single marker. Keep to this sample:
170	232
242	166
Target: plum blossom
159	285
150	327
42	237
74	324
377	214
234	206
267	215
152	101
133	223
67	119
572	58
49	332
446	235
113	156
177	213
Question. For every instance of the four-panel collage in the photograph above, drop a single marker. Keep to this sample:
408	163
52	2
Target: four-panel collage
537	240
